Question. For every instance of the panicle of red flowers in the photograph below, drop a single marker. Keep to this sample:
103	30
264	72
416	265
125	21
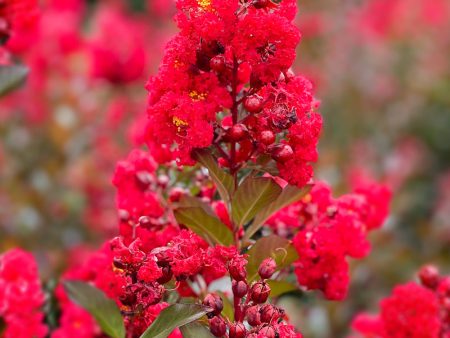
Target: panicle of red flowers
412	310
326	230
21	296
225	81
253	315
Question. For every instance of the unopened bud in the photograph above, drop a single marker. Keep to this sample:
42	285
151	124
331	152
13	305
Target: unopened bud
260	292
214	302
267	268
217	326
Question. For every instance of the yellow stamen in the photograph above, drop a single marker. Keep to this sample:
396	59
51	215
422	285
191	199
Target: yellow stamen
204	4
196	96
179	123
307	198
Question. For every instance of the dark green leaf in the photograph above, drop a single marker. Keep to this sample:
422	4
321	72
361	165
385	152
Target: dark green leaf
224	181
11	77
102	308
174	316
195	330
279	287
187	201
252	196
289	195
205	225
280	249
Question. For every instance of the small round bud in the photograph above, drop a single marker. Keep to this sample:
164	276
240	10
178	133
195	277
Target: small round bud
145	221
267	137
254	103
237	269
240	288
237	133
217	63
283	153
268	332
253	316
429	276
143	179
217	326
261	3
213	301
124	215
237	330
270	313
267	268
176	194
260	292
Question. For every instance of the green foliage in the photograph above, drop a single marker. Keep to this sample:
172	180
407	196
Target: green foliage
172	317
102	308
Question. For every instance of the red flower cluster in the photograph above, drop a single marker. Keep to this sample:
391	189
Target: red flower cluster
16	17
329	230
413	310
225	81
21	297
265	320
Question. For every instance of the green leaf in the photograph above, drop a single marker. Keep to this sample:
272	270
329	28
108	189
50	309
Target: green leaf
289	195
174	316
188	201
253	195
280	287
280	249
195	330
102	308
11	77
224	181
205	225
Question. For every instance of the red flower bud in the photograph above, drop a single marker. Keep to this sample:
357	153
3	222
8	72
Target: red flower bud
260	292
217	63
267	268
270	313
237	269
429	276
237	330
145	221
253	104
124	215
237	133
217	326
143	179
240	288
213	301
175	194
253	316
267	137
268	332
282	153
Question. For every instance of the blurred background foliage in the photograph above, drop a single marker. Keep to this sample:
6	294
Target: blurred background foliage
381	69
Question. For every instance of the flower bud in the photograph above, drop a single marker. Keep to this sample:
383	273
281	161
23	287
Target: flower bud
267	137
267	268
237	330
176	194
429	276
143	179
253	315
237	133
282	153
213	301
260	292
270	313
240	288
268	332
145	221
254	103
237	269
217	63
217	326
